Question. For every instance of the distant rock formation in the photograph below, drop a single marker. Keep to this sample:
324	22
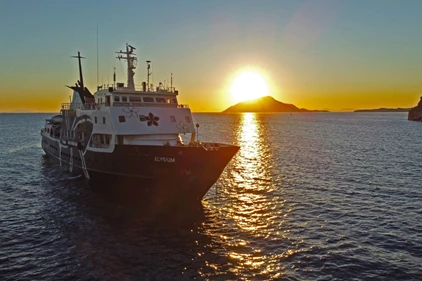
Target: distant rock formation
266	104
384	110
415	114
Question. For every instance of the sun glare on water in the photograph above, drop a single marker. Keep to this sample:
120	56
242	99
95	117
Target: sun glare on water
248	85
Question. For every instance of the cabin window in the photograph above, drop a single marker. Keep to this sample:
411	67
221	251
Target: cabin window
162	100
135	99
122	118
95	119
104	120
116	98
187	118
148	99
172	119
124	98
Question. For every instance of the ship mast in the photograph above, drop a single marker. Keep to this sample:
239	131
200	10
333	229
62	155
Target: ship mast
130	57
81	78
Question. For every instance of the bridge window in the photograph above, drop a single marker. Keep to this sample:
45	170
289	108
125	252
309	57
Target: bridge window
116	98
148	99
135	99
124	98
162	100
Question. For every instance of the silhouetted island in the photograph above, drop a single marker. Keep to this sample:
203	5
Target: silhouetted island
415	113
266	104
384	110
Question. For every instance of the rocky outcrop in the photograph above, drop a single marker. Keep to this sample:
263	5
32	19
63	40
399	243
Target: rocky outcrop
384	110
415	114
266	104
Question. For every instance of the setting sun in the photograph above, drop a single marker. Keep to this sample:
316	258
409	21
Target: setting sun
248	85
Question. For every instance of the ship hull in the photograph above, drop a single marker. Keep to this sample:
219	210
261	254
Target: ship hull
165	176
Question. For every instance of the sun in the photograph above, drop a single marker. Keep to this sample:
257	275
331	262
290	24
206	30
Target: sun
248	85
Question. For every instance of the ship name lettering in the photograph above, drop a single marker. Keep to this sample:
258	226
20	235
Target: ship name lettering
164	159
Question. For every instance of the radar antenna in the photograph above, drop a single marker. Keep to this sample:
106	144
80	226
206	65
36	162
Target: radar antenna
130	57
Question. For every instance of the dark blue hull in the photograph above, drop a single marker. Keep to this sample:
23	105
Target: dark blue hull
163	174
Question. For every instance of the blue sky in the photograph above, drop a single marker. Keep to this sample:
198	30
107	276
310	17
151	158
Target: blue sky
333	54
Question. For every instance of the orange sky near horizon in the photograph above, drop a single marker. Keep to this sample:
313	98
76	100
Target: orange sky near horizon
50	101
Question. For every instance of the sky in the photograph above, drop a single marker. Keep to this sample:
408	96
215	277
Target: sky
338	55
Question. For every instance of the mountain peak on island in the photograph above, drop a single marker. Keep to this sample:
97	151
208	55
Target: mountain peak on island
265	104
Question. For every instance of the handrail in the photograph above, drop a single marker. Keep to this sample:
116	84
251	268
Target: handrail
143	104
96	106
146	104
86	106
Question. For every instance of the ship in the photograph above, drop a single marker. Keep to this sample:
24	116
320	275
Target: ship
122	136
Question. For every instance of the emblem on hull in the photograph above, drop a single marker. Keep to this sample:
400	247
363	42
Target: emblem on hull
151	119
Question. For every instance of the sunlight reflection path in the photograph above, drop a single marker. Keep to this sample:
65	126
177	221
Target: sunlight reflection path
255	210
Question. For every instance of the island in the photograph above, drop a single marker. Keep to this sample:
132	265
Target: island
415	113
384	110
266	104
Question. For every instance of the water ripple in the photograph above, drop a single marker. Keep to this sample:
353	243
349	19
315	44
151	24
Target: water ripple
308	197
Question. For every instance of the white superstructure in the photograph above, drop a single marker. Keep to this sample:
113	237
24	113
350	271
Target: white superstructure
123	115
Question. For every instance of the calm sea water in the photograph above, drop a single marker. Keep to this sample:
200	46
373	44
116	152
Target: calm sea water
322	196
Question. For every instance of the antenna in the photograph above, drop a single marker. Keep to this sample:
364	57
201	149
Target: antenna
148	73
98	64
114	79
81	78
171	82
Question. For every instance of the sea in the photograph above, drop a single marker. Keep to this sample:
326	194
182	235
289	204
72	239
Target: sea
309	196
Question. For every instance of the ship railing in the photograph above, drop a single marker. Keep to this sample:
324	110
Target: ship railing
95	106
161	89
143	104
84	106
